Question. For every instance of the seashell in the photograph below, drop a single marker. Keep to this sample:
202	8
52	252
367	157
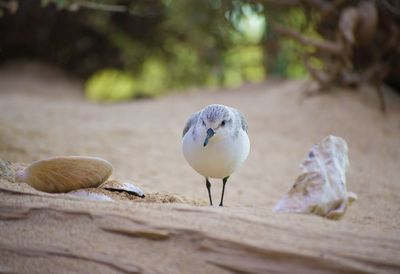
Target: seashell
89	195
65	173
321	187
116	185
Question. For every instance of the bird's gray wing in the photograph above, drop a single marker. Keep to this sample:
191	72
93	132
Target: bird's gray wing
243	121
192	121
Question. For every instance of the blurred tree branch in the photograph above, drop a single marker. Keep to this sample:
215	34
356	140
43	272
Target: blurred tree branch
326	46
98	6
360	42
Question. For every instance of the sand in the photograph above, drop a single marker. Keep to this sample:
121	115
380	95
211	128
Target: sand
43	114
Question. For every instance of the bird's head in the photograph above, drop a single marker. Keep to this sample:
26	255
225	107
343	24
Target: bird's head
215	120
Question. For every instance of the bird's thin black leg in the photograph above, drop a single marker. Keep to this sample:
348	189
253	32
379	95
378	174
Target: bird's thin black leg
208	185
223	190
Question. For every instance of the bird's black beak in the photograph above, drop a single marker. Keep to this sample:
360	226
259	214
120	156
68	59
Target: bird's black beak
210	133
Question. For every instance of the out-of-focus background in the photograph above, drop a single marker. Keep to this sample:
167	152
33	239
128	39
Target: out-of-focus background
128	49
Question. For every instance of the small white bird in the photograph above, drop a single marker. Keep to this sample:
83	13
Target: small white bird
215	143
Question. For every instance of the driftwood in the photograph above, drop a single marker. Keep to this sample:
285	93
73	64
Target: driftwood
48	232
360	42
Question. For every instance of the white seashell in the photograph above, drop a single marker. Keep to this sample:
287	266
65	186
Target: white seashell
321	187
65	173
88	195
116	185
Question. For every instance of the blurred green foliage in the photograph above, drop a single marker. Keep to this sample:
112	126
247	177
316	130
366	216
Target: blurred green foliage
110	85
286	58
209	43
129	49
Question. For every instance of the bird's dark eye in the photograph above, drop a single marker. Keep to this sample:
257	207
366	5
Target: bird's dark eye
223	123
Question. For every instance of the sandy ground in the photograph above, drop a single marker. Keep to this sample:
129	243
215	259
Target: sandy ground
42	114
